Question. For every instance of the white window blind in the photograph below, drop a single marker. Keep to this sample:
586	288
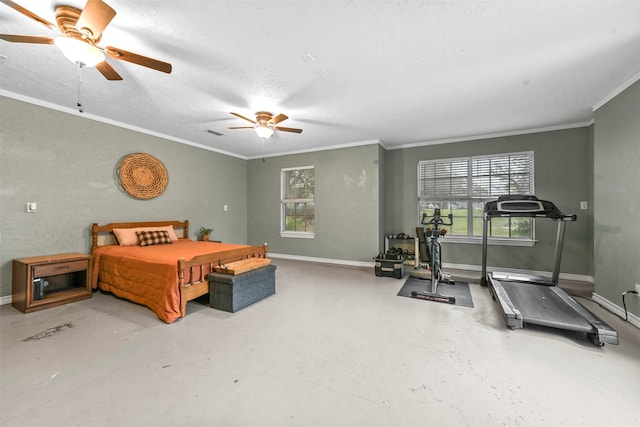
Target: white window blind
443	178
502	174
461	186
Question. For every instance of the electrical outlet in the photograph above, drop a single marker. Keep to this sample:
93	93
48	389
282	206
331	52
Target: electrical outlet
584	205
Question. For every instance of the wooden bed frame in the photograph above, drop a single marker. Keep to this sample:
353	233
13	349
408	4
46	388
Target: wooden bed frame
102	235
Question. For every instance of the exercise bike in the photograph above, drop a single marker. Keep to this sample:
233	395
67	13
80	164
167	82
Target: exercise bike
430	253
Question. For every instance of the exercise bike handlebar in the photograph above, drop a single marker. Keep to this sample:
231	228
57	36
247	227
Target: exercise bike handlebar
436	219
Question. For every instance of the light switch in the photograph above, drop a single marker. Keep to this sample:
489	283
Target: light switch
225	208
32	207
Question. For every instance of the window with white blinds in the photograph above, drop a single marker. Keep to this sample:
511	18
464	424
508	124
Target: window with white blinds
461	186
443	178
502	174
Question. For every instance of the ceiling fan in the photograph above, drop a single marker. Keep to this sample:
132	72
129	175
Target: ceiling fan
80	33
265	124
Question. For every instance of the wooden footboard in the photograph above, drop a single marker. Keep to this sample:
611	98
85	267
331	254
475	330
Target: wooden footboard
199	266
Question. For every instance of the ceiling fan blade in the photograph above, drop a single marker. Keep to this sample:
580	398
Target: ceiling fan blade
26	39
134	58
241	127
108	71
242	117
279	118
28	13
294	130
94	18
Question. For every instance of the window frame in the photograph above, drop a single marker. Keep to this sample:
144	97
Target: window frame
283	203
470	198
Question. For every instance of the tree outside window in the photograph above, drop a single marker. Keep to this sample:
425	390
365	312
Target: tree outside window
298	207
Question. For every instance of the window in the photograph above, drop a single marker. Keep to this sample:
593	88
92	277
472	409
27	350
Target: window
297	202
461	186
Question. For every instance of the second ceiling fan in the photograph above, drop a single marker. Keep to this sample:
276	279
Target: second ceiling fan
265	124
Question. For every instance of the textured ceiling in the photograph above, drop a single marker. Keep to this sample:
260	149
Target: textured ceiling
397	72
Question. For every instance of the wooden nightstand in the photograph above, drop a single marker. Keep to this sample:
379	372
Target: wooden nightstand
50	280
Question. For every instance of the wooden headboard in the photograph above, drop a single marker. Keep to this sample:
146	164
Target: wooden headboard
102	235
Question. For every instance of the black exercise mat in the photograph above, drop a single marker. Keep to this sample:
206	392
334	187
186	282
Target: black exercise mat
460	290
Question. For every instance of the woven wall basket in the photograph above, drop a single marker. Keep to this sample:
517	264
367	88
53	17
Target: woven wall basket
142	176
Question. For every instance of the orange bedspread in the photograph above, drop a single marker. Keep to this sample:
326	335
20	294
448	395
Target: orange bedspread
148	275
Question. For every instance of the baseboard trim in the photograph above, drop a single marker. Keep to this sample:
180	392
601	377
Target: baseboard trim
615	309
5	300
469	267
323	260
565	276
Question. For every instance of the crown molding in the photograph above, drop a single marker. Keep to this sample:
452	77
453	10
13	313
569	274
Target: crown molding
90	116
313	150
617	91
386	146
493	135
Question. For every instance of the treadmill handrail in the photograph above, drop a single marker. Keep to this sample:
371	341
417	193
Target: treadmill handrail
549	211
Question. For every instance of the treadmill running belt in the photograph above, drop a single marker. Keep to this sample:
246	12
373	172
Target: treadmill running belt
541	305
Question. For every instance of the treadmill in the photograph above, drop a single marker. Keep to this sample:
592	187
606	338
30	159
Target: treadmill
537	300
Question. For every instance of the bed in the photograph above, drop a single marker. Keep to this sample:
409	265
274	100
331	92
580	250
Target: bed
161	276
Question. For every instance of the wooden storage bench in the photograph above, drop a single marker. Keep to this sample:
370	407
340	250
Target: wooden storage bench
233	292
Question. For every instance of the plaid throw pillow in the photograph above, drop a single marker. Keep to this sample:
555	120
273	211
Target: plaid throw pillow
155	237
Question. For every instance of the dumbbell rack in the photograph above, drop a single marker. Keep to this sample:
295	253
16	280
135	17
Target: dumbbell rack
416	246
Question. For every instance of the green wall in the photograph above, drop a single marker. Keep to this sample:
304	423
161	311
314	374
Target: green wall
66	164
347	204
617	197
561	175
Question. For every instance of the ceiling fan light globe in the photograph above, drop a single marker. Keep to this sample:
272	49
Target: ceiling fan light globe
264	131
78	51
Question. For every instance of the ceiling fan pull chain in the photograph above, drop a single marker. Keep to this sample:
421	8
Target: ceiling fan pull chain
80	109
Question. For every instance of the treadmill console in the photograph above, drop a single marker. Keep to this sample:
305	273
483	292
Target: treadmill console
524	205
520	206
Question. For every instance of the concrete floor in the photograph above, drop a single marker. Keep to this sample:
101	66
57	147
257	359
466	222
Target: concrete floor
334	346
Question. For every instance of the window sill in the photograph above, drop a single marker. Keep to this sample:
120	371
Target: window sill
491	241
297	235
